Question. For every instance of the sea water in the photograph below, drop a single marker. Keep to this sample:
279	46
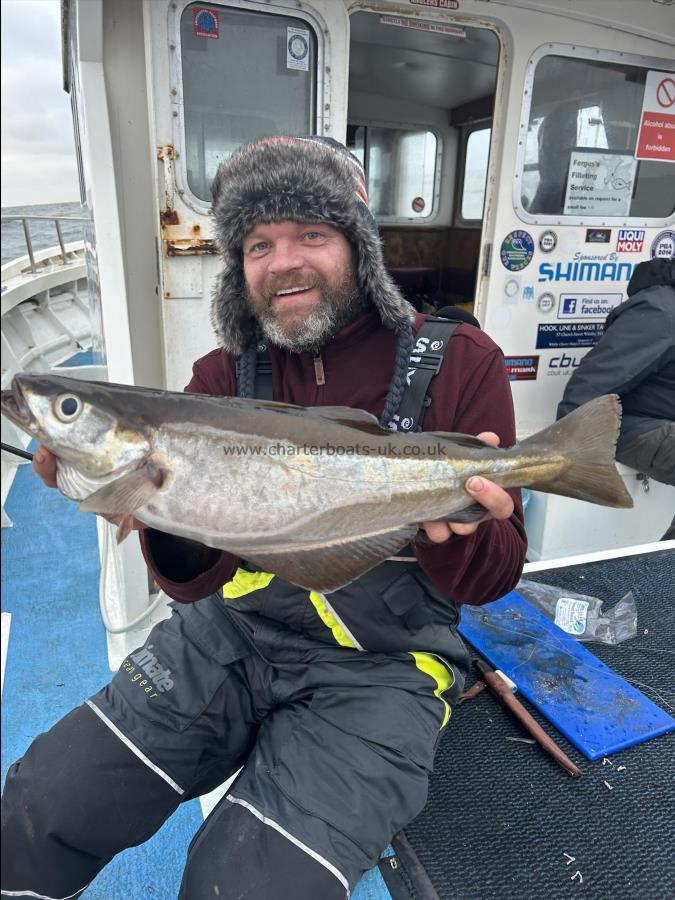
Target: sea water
42	231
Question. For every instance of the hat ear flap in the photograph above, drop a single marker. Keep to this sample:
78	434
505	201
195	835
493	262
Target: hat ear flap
217	185
230	316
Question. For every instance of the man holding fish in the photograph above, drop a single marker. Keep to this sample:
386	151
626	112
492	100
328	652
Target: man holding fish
330	695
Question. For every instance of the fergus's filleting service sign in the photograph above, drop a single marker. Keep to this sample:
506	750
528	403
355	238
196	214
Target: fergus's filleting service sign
599	184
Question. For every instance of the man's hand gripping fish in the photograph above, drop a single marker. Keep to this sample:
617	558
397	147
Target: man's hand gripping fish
316	495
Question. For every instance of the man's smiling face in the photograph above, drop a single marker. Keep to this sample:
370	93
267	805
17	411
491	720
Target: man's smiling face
300	282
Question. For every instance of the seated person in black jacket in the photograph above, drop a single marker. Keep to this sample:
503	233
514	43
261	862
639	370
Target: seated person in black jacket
635	358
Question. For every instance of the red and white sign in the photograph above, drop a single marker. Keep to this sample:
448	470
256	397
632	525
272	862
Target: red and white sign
656	139
205	22
630	240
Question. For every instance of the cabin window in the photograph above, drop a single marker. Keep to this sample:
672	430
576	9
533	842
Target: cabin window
579	136
246	75
400	166
476	155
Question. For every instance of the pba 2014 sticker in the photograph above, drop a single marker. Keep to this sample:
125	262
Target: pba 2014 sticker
517	250
548	241
663	245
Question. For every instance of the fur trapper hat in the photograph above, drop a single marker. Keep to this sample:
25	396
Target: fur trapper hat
302	179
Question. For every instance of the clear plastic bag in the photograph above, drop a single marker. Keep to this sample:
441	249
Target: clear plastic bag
585	618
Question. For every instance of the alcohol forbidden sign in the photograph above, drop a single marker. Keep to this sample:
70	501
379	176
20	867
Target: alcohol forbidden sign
656	139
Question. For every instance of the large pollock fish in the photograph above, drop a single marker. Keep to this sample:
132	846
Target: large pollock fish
317	496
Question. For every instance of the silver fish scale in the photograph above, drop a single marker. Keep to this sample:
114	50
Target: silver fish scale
267	489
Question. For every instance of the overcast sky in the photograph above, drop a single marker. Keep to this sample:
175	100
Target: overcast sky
38	150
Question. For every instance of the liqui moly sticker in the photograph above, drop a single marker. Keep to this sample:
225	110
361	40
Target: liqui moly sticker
630	240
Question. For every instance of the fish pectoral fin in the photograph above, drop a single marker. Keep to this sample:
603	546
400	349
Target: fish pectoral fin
127	494
325	569
124	528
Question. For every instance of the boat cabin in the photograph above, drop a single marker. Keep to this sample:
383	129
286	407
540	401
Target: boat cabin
519	158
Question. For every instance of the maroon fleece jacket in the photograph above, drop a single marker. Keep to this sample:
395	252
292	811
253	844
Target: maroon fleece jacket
470	394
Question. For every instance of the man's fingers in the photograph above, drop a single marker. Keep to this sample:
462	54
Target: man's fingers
489	437
44	464
495	499
437	531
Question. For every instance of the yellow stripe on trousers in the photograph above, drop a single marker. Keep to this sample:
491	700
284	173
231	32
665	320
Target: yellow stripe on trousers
434	668
330	621
244	582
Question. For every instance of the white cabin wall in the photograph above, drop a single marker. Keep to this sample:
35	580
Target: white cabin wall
514	327
126	88
101	192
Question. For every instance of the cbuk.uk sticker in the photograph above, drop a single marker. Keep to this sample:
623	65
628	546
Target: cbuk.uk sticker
517	250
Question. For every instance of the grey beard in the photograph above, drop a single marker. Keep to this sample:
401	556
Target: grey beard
319	327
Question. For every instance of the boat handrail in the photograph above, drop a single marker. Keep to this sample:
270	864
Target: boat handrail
55	219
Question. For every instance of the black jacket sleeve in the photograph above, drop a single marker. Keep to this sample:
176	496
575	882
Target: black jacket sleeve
632	347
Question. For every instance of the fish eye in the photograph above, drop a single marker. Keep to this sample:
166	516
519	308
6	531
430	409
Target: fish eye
67	407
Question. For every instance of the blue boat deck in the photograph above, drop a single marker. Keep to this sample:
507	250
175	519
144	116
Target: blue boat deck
57	656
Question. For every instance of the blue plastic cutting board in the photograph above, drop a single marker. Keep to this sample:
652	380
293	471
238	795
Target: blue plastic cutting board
596	709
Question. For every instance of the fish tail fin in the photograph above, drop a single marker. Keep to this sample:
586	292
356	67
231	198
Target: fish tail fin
586	439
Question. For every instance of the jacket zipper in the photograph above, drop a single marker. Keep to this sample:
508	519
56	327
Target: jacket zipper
319	374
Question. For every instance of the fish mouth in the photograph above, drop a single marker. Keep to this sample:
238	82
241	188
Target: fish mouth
15	407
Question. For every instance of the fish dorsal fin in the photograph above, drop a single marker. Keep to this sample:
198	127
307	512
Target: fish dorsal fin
340	415
346	415
325	569
462	440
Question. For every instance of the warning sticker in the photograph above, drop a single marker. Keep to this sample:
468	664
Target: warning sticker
656	138
205	22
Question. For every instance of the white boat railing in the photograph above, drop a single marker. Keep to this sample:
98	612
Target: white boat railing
29	241
45	321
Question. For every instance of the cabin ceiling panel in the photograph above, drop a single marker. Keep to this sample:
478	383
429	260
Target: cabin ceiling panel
437	70
432	80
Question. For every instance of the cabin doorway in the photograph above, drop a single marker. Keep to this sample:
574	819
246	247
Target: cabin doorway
420	107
